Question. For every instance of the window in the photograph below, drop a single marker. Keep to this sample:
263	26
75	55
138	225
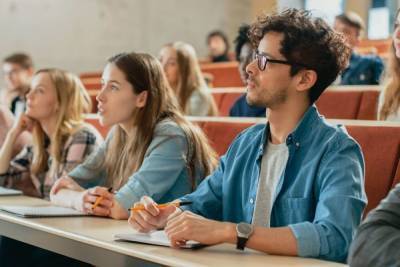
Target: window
325	9
379	25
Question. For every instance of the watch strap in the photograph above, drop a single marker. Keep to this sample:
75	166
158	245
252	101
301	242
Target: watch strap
241	242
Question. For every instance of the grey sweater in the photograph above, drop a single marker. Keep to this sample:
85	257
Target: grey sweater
377	242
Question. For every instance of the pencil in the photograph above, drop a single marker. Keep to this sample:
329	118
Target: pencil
160	206
99	199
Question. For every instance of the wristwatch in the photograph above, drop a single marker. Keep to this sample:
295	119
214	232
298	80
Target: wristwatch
244	231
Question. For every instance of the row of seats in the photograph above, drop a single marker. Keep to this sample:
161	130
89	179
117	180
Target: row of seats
224	74
341	102
382	170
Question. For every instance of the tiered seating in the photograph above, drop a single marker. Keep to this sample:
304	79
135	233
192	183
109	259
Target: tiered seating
379	47
224	74
341	102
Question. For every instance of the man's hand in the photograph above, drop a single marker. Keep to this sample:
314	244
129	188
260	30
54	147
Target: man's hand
189	226
151	218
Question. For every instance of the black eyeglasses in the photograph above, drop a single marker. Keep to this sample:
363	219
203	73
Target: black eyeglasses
262	61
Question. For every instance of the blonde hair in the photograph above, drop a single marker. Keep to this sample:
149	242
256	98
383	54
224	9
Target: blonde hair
73	101
391	100
125	155
190	77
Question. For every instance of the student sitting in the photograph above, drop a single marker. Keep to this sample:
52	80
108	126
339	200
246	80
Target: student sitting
152	149
61	140
362	69
389	99
55	111
294	186
18	72
244	54
377	241
218	46
183	72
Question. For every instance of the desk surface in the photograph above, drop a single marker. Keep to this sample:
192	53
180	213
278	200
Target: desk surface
97	234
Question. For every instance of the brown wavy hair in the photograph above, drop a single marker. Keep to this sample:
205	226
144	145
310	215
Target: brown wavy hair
125	155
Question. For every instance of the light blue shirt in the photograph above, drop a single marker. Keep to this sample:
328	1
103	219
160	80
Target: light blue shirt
163	174
320	194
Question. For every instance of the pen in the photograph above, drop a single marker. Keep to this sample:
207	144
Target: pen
99	199
160	206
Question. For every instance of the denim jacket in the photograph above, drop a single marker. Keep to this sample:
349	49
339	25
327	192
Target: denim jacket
320	194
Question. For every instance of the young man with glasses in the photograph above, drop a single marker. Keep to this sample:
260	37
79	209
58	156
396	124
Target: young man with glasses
294	186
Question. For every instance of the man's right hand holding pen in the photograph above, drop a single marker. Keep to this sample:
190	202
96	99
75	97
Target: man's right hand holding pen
180	226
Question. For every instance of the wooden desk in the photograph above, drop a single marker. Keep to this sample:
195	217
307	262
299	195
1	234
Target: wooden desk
90	239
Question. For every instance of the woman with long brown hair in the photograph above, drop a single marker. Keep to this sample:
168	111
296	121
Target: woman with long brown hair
183	72
389	100
151	150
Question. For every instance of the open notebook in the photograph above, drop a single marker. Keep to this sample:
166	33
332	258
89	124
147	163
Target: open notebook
158	238
41	211
9	192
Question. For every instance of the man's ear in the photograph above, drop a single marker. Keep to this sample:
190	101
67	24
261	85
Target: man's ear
141	99
307	79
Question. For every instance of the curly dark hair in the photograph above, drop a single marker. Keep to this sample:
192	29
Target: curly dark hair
241	39
307	41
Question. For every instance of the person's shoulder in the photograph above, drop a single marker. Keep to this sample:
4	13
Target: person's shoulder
337	136
370	58
86	134
168	127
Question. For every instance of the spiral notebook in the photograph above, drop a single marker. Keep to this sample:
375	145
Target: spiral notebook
9	192
42	211
158	238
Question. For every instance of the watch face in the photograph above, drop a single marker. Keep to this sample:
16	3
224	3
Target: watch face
245	228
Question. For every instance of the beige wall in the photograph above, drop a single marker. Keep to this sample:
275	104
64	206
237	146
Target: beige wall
80	35
259	6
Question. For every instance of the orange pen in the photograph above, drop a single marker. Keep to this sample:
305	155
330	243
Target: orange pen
99	199
160	206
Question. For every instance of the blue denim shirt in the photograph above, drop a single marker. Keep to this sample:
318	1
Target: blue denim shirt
320	194
362	70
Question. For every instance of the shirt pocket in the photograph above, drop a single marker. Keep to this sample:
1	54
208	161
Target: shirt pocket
295	210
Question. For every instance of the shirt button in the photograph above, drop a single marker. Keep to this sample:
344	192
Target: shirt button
297	144
251	201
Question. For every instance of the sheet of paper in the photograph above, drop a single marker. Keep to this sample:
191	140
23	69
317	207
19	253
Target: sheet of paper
9	192
42	211
158	238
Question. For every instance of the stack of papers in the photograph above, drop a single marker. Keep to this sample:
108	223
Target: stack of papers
42	211
9	192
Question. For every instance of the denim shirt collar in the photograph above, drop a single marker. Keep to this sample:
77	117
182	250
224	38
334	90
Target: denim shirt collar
299	135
